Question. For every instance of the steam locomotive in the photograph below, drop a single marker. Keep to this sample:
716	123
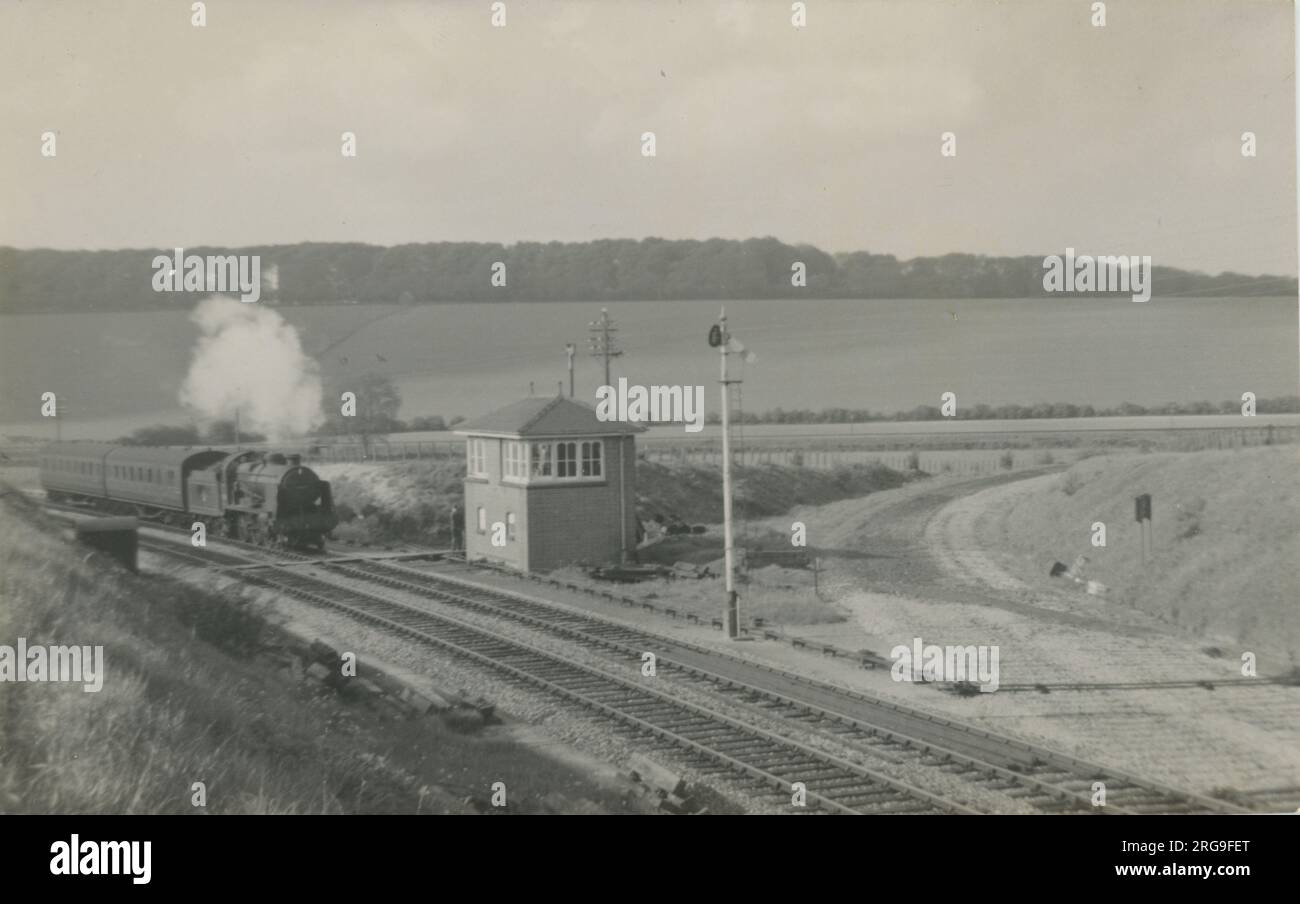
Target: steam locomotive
261	497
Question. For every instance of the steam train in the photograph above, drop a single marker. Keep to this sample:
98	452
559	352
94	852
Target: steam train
266	498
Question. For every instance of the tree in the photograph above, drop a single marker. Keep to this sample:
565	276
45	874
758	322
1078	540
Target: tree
430	423
377	404
162	435
222	433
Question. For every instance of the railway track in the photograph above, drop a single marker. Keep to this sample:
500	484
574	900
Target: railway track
714	742
1044	780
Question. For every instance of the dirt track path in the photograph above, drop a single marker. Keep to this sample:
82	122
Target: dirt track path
926	561
880	542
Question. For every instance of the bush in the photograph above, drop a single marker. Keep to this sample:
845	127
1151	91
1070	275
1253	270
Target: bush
1071	482
355	531
1007	461
914	460
1188	519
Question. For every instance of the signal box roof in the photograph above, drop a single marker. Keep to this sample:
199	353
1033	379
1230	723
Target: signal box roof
546	417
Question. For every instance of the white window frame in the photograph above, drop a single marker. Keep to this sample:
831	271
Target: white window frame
476	457
482	520
566	459
541	461
576	468
515	461
591	466
512	527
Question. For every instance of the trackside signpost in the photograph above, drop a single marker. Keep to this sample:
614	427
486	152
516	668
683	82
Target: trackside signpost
1142	506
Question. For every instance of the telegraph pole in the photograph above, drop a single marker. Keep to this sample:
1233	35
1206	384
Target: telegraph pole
569	349
602	340
731	610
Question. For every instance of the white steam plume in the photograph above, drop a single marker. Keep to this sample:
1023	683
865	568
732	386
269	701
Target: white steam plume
249	358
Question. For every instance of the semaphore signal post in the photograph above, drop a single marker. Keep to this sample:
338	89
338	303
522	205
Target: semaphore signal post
719	337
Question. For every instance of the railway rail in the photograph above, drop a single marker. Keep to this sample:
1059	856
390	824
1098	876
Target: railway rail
1045	780
711	740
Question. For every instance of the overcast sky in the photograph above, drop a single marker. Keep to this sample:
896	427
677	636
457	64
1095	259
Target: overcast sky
1123	139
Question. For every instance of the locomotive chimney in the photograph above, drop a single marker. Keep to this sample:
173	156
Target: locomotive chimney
295	461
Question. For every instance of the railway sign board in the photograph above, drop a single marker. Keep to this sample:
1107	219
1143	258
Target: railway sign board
1143	507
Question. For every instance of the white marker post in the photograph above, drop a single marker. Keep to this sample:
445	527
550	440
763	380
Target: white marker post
731	611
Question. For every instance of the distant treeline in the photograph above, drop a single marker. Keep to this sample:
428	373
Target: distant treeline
1279	405
223	432
606	270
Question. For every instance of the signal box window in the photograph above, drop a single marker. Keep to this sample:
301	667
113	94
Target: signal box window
591	459
477	457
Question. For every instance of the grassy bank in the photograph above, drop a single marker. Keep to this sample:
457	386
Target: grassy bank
411	501
693	492
1226	534
189	696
